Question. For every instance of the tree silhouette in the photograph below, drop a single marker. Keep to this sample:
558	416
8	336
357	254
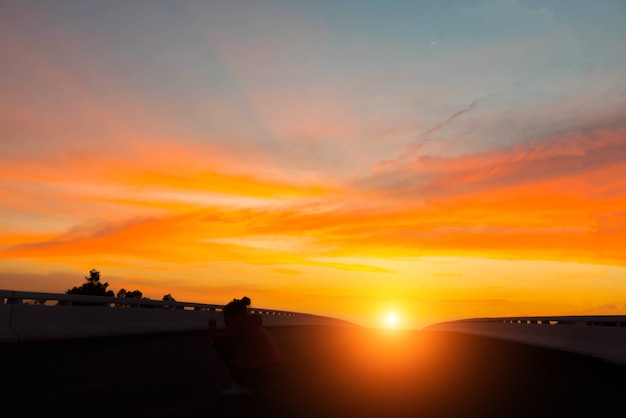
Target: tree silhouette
93	286
134	294
128	294
169	298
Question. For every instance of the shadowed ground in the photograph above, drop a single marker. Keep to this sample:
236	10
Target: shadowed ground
331	372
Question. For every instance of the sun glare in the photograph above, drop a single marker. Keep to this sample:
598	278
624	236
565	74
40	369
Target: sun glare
391	320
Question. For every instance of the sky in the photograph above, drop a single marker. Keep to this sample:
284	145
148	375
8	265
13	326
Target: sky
435	160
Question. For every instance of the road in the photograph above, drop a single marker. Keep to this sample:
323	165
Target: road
330	372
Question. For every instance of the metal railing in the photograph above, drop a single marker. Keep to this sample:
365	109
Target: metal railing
13	297
577	320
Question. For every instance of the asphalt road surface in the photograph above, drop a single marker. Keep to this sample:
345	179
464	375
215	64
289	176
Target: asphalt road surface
330	372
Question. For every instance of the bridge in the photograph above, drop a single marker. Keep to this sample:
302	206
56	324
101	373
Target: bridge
32	316
105	357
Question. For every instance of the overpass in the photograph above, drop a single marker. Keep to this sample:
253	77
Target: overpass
153	359
34	316
597	336
31	316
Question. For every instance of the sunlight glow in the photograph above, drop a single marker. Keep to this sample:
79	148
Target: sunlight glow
391	320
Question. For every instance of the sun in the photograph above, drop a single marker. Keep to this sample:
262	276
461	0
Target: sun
391	320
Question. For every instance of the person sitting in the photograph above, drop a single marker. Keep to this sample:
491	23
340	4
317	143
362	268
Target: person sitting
246	348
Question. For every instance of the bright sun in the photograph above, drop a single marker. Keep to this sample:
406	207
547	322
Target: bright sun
391	320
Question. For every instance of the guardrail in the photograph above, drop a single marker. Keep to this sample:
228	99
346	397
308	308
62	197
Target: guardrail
597	336
29	316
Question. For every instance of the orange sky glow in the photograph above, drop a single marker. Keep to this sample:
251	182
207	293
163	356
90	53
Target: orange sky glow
191	159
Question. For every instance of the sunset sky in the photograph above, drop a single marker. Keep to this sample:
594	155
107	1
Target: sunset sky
433	159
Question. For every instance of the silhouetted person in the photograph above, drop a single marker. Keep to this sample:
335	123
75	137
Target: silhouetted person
246	348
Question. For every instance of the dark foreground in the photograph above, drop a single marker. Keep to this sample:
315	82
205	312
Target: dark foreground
331	372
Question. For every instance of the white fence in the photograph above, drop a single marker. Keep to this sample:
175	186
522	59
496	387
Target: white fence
597	336
29	316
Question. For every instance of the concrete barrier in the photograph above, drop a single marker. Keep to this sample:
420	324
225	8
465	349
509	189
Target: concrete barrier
597	336
44	322
29	316
6	330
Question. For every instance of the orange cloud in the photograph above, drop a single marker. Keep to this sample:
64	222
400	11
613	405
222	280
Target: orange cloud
538	202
